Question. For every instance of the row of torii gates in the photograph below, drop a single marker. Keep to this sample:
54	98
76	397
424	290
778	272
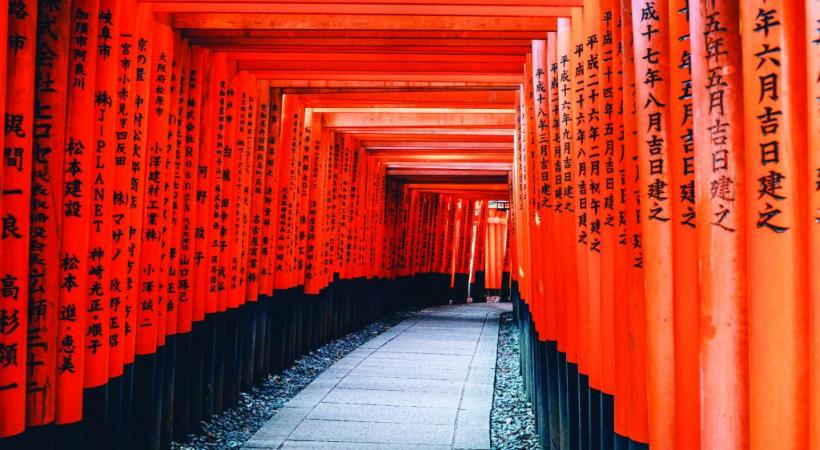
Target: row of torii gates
194	194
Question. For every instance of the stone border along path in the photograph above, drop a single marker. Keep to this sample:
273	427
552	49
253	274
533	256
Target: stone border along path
426	383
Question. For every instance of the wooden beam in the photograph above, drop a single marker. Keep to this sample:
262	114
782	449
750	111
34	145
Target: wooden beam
502	134
354	90
398	2
455	171
296	78
471	195
389	137
502	187
410	98
443	158
234	44
454	179
397	67
354	43
394	83
445	165
406	110
370	9
444	145
245	21
399	120
254	55
430	35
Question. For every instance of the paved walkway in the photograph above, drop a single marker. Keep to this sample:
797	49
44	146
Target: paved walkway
427	383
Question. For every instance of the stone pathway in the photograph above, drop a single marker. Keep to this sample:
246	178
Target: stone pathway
427	383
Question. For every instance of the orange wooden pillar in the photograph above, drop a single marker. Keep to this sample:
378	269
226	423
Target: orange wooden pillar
122	305
777	284
188	147
173	206
589	215
652	59
268	251
530	284
681	160
619	237
301	198
545	84
539	223
509	255
100	246
188	370
636	311
233	180
292	118
213	139
151	316
15	179
318	174
46	217
495	249
604	207
813	53
519	275
137	31
259	143
721	233
556	73
75	261
249	194
582	88
568	85
478	290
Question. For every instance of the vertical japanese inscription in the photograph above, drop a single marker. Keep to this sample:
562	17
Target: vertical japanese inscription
74	261
15	180
46	208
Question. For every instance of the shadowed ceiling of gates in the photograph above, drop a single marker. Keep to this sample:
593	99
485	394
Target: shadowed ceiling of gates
427	87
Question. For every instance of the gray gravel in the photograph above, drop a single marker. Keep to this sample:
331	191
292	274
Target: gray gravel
235	426
512	421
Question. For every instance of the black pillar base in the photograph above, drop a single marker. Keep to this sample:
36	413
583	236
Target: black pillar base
40	437
95	418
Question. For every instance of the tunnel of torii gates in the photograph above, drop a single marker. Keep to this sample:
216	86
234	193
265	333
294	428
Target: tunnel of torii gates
194	194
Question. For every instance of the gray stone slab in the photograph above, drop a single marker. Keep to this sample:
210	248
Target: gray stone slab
282	423
402	384
417	356
433	362
474	417
411	373
388	433
358	446
485	361
309	396
481	376
427	344
399	398
412	348
255	443
384	413
472	437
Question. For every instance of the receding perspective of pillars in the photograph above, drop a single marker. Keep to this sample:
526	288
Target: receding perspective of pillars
194	195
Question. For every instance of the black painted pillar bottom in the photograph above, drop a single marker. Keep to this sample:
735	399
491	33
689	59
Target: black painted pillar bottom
569	413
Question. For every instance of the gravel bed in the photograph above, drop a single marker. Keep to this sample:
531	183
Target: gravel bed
512	422
235	426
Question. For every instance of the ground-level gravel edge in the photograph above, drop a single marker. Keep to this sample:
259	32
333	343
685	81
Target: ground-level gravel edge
512	421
